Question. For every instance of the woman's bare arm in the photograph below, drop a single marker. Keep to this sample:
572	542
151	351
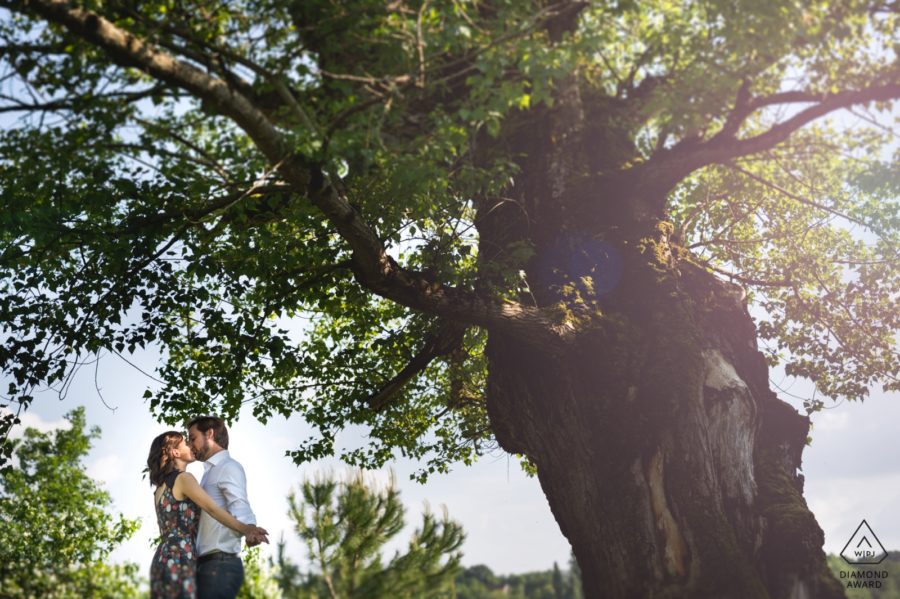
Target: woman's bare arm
188	486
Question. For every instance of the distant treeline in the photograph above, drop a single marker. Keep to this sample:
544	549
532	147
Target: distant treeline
479	582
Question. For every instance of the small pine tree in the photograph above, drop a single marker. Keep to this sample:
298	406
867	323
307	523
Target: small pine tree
346	525
286	573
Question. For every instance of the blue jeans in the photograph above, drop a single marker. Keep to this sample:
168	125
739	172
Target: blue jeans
219	576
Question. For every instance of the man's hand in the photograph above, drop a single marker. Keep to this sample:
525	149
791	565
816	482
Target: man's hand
256	536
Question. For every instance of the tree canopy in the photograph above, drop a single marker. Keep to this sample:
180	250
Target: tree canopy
291	197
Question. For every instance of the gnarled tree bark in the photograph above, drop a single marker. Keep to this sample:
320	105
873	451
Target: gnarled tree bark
668	463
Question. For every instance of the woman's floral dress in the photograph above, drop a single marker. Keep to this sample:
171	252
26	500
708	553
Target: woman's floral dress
173	573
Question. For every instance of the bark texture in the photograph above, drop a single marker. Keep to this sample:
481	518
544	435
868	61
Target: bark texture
669	464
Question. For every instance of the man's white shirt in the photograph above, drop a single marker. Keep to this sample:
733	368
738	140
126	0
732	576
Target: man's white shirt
224	480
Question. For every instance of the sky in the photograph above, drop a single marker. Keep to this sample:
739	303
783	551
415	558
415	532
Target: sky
852	473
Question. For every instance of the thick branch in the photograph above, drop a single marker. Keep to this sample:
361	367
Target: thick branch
437	344
650	182
373	267
781	131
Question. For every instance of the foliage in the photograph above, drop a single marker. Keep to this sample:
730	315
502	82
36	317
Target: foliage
55	532
139	208
260	581
287	574
346	525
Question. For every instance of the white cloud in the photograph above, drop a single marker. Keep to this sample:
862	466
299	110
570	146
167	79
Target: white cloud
30	419
106	469
830	422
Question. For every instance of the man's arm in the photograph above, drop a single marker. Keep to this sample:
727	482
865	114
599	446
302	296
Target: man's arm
233	484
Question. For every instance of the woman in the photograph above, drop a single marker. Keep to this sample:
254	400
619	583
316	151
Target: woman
179	499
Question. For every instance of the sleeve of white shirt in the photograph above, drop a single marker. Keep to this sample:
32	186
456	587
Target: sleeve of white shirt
233	484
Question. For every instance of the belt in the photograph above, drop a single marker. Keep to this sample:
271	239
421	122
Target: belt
216	555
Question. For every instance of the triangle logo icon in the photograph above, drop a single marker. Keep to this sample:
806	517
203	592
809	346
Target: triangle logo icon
863	547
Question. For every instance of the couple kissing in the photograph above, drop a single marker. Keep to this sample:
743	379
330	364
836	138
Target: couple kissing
200	524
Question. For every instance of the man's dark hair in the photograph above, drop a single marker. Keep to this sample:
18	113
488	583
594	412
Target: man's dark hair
204	423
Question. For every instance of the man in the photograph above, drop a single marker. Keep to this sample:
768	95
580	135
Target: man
220	572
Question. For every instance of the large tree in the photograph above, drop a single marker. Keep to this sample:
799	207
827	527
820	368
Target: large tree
531	223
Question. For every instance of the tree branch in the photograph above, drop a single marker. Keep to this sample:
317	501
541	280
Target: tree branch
372	266
244	87
137	223
69	103
750	280
440	343
797	198
827	104
650	182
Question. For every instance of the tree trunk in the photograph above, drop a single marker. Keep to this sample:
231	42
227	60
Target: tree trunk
668	463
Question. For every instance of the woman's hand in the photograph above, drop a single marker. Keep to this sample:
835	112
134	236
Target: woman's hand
256	535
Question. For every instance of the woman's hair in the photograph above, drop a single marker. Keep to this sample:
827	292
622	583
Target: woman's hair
158	462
